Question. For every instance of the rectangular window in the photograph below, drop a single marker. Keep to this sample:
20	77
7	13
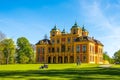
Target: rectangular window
58	41
91	48
38	50
53	41
63	40
68	40
84	48
63	48
78	48
43	50
53	50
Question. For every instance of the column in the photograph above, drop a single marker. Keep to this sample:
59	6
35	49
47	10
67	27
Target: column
56	59
44	58
74	58
62	59
68	59
51	59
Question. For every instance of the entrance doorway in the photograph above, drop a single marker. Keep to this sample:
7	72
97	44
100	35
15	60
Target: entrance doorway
49	59
59	59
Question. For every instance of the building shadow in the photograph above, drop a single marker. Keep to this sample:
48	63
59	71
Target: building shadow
70	73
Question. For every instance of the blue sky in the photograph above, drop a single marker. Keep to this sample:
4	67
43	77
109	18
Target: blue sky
35	18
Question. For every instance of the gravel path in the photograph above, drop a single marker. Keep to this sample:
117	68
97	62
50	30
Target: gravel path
105	66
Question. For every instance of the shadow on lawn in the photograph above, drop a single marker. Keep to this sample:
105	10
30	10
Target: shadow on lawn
71	74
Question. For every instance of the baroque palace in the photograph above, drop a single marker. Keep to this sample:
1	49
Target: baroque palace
70	47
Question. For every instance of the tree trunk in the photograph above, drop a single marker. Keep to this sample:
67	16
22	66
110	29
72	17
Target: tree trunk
7	60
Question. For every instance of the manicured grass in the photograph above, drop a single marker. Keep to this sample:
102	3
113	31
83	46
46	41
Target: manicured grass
58	72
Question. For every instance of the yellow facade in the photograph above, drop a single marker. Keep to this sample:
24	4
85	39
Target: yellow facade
70	47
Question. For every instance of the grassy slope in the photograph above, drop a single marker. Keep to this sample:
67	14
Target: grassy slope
59	72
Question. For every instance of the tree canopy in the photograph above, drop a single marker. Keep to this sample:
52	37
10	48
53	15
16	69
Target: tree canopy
117	57
107	57
7	49
25	53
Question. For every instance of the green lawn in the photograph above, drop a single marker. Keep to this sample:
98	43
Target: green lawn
59	72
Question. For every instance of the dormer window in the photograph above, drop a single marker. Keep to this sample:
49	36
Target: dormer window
53	33
74	31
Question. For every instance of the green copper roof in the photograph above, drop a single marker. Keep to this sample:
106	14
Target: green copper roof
55	28
63	31
75	25
83	29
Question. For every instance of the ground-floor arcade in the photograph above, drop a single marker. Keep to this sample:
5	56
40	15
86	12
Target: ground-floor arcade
69	58
62	58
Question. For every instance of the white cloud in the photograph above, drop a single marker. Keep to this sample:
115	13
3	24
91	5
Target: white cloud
95	16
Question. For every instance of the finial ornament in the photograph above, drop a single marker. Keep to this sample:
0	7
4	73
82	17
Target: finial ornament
55	27
75	23
83	28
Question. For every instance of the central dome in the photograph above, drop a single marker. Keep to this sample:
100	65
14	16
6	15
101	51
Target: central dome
75	25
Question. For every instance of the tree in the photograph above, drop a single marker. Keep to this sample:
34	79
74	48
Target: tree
25	53
117	56
7	50
107	57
